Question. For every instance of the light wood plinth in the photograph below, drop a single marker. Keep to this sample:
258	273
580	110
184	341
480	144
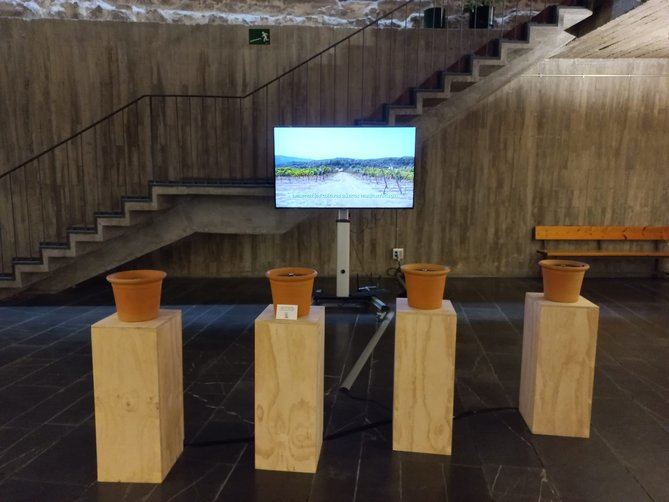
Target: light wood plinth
138	382
558	366
289	378
424	378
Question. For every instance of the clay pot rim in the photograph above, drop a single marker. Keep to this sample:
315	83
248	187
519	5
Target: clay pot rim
136	277
432	269
564	265
291	274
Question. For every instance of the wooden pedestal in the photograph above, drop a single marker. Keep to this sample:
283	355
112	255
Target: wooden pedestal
138	381
558	366
424	378
289	379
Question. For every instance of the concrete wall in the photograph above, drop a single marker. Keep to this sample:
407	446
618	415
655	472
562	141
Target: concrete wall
59	76
574	142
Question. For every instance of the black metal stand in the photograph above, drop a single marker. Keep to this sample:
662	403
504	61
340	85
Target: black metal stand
364	299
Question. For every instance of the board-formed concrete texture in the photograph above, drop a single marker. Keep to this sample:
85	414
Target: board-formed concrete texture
172	213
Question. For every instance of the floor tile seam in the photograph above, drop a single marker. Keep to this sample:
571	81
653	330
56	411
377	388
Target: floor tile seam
221	404
644	288
445	481
632	312
630	394
649	383
38	348
201	314
52	363
218	317
357	473
82	398
39	316
489	361
51	396
229	475
622	461
25	433
221	355
203	475
44	450
51	482
507	319
341	374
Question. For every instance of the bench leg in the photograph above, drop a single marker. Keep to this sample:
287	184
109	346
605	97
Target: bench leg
662	264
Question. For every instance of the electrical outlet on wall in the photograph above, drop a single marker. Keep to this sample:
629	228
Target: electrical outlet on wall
398	254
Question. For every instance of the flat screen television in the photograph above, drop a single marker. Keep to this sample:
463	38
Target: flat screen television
344	167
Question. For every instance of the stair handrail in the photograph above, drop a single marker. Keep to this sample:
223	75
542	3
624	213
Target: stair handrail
213	96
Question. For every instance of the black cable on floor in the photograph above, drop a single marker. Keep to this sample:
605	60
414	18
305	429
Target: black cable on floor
360	428
219	442
481	411
348	394
353	430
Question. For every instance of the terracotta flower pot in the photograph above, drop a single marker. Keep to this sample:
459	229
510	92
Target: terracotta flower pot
562	279
425	285
292	286
137	294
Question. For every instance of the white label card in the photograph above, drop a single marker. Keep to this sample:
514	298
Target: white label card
286	312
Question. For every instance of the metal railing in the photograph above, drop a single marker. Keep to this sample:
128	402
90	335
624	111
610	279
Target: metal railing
178	137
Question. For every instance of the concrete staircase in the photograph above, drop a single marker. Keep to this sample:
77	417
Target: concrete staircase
171	212
174	210
448	95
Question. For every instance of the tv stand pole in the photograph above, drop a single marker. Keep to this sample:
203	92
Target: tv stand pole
343	253
363	298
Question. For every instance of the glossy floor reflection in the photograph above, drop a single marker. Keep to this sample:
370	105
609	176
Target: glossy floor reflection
47	440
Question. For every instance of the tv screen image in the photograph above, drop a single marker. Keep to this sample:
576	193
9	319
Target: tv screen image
344	167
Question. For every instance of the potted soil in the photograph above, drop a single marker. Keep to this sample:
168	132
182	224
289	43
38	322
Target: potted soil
562	279
481	13
137	294
425	284
292	286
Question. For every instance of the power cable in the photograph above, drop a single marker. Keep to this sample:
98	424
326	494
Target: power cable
353	430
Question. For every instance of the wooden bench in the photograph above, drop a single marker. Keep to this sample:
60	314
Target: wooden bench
580	233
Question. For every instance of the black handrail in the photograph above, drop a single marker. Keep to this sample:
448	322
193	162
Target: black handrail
161	138
251	93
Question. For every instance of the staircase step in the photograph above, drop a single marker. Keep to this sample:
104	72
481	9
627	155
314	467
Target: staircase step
467	70
462	74
187	182
9	282
460	86
491	49
26	261
54	245
82	230
514	41
109	214
371	123
404	119
430	102
489	60
401	110
428	91
135	198
546	16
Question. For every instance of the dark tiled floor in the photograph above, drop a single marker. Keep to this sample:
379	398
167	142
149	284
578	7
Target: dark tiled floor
47	440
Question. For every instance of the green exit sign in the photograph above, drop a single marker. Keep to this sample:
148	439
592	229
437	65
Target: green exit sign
259	36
